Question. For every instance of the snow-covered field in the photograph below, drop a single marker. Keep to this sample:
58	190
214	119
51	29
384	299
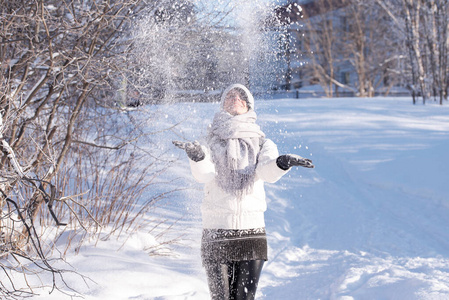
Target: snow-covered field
371	221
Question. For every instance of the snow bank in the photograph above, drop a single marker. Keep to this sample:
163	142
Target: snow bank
369	222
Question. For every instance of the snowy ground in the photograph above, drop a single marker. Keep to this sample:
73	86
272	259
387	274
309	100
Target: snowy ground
369	222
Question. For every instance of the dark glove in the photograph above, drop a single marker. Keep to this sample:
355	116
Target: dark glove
193	150
287	161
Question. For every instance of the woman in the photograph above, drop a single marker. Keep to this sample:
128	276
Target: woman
234	165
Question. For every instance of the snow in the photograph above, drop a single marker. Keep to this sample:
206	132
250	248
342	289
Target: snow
369	222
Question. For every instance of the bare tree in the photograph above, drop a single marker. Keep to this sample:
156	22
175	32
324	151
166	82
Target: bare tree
342	41
321	43
412	11
366	30
435	23
424	25
65	158
73	154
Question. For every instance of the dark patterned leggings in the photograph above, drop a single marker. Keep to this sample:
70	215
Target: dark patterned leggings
235	280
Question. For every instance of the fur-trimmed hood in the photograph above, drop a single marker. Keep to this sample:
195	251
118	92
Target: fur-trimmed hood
241	86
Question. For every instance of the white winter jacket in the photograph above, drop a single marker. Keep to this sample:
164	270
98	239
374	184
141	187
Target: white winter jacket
221	210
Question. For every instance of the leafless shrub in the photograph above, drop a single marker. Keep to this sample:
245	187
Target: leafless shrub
77	163
70	155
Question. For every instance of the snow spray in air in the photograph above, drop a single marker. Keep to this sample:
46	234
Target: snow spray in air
189	51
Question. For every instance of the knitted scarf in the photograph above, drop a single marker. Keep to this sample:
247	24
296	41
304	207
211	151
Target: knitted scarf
234	142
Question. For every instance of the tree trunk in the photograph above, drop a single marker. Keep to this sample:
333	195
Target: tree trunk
412	30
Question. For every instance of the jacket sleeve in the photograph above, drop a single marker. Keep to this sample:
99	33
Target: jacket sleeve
267	169
204	170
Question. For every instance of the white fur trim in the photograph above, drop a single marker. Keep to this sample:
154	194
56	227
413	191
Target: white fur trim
237	85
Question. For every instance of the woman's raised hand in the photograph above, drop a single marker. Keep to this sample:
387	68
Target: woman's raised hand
287	161
193	150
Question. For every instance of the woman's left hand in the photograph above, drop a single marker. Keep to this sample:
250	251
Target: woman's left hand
287	161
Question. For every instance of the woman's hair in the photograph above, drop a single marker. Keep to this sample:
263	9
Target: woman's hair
243	96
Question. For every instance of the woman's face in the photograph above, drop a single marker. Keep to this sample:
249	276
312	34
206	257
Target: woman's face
234	105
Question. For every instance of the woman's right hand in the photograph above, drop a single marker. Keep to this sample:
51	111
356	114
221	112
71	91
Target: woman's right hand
193	150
